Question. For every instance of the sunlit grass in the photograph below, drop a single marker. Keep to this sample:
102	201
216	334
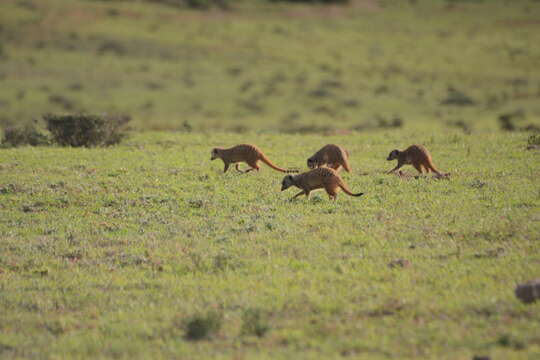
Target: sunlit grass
109	252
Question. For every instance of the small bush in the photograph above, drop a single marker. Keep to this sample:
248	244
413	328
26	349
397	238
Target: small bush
27	135
86	130
254	322
200	327
111	47
507	121
457	98
533	142
534	139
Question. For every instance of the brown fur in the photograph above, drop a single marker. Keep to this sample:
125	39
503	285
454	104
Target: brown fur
317	178
332	155
250	154
415	155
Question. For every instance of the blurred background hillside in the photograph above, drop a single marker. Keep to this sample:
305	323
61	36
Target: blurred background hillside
274	66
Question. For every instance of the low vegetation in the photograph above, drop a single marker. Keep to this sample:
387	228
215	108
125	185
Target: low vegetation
202	326
86	130
28	134
74	130
147	249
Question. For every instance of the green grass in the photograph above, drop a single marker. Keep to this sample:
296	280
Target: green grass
272	67
147	250
110	252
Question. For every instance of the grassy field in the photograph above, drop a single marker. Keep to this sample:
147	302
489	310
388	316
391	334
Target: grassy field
273	68
109	252
137	250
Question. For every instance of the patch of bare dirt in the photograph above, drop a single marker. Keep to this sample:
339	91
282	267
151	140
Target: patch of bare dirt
403	175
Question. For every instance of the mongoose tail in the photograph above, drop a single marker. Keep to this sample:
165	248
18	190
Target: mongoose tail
347	191
267	161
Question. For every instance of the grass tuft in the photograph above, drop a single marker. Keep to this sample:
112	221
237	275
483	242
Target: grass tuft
203	326
254	322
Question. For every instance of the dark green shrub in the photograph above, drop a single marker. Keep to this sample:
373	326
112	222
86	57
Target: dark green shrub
457	98
203	326
506	121
86	130
254	322
27	135
533	142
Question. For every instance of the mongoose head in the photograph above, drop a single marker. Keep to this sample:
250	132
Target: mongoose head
215	154
311	163
393	155
287	182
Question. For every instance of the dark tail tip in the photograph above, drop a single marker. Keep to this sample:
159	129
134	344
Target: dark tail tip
359	194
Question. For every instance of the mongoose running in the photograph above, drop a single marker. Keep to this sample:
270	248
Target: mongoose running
250	154
415	155
318	178
332	155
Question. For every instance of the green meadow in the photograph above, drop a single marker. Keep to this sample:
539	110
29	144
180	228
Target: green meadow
147	249
107	252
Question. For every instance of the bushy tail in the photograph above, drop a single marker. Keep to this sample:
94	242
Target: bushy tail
347	191
267	161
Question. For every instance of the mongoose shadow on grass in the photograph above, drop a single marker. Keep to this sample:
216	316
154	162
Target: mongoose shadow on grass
407	176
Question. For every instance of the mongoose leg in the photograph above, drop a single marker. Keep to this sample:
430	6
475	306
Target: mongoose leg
254	166
226	167
399	165
237	167
418	167
332	194
300	193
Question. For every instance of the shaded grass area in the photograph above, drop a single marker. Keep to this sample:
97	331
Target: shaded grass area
114	252
295	68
